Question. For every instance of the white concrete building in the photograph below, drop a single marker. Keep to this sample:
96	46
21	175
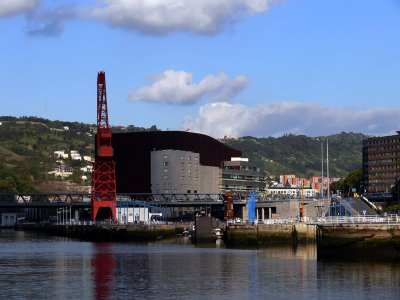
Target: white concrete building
292	192
61	171
126	215
58	153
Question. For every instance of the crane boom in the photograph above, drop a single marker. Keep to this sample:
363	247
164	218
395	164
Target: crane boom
103	179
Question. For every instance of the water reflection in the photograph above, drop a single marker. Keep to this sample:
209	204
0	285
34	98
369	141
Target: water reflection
352	279
104	264
46	267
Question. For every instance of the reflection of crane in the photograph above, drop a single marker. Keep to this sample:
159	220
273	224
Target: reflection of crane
103	179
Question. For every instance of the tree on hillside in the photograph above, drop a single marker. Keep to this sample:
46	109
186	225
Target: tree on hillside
353	180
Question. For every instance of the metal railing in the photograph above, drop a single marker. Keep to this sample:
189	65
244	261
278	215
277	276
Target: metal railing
372	219
368	219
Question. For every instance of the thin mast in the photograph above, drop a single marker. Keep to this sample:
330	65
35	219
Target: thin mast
327	166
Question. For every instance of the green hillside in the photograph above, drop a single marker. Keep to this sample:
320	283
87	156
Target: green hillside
301	155
27	146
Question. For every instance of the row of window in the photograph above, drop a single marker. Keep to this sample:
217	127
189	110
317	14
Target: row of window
377	188
384	173
378	161
189	165
381	180
243	168
183	171
242	177
384	147
389	140
239	187
382	154
383	167
182	157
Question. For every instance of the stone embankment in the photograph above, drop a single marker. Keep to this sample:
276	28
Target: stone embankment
359	240
111	233
269	234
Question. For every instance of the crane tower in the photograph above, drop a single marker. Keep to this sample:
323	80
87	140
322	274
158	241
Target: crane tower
104	194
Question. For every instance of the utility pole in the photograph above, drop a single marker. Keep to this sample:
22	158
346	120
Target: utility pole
302	201
322	168
327	167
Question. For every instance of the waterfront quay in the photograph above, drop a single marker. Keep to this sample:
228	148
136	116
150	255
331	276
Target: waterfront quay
265	234
334	237
98	232
378	241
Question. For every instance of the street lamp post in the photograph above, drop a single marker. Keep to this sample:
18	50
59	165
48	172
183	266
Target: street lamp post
322	168
327	168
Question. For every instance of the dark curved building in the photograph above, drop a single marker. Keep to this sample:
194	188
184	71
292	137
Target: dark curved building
132	153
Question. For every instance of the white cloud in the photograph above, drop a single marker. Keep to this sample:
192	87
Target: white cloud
274	119
14	7
157	17
178	87
51	22
163	16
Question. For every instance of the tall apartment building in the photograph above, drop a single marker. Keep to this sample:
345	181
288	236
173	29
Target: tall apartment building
242	176
381	163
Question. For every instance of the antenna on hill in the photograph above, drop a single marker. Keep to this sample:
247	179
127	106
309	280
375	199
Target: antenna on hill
45	109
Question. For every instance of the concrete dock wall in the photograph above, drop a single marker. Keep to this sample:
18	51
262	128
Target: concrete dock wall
359	240
270	234
105	233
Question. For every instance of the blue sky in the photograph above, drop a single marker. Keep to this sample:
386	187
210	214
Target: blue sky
219	67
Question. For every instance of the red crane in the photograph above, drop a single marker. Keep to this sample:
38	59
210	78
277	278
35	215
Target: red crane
104	193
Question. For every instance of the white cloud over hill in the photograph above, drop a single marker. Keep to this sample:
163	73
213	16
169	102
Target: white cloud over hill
277	118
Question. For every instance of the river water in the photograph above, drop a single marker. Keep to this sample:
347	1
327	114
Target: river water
35	266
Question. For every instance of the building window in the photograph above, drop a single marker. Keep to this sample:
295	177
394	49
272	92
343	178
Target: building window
165	177
165	163
166	191
182	157
165	170
165	156
182	164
